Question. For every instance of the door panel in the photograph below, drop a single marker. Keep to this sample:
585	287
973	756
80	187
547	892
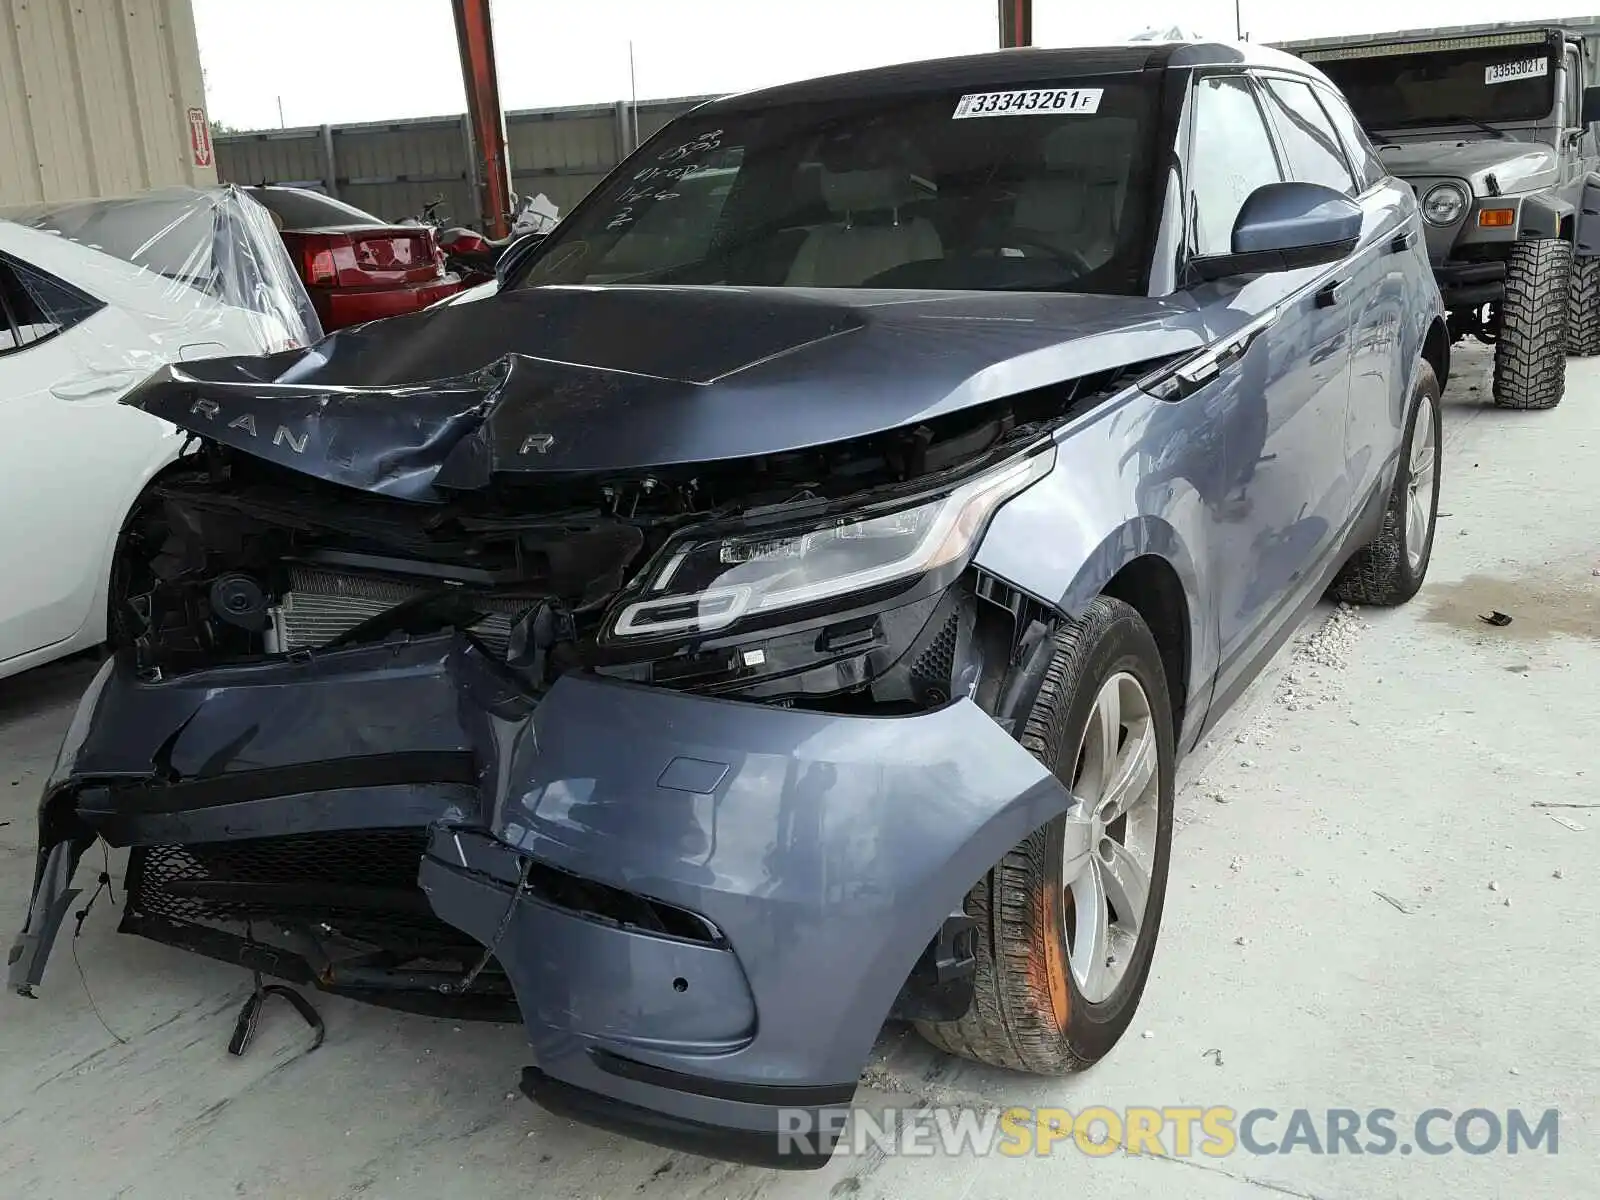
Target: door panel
1390	275
1288	492
1388	270
71	458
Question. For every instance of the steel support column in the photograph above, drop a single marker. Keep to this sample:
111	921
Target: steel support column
1016	23
330	166
475	40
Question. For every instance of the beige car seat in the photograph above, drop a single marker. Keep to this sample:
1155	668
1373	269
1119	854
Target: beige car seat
870	235
1077	204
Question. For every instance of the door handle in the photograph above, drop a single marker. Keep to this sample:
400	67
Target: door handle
1403	241
87	387
1330	294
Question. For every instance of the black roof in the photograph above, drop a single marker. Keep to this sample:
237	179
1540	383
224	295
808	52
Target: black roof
1002	68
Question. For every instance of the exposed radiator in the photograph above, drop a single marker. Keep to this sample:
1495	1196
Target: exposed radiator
322	604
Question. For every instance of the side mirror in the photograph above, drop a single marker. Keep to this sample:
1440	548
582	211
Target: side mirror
514	255
1591	105
1286	226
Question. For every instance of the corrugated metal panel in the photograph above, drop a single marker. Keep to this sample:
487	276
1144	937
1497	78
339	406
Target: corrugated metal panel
294	156
1575	26
393	168
95	98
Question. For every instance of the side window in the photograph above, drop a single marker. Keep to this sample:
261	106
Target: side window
1231	157
1308	139
33	306
1369	167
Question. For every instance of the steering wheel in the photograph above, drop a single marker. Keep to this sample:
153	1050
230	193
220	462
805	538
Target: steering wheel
1017	239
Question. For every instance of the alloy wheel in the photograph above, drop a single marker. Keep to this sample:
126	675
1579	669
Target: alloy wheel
1111	833
1419	491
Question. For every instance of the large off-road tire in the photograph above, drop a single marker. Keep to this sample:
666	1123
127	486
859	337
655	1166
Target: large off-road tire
1037	1007
1583	308
1389	569
1530	358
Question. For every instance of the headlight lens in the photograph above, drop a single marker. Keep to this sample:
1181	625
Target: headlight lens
703	585
1444	204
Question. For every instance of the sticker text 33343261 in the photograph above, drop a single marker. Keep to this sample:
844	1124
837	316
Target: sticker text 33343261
1034	102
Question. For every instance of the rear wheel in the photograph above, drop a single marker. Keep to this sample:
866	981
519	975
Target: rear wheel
1583	308
1530	357
1067	922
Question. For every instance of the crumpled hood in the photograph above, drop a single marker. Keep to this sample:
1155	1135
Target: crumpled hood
624	379
1516	166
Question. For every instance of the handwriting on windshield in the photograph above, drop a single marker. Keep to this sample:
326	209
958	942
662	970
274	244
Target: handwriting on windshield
659	182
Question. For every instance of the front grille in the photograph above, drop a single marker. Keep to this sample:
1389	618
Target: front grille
321	605
361	884
358	884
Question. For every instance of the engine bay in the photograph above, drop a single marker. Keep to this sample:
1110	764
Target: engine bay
232	558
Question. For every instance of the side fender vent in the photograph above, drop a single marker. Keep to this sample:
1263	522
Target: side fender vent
937	661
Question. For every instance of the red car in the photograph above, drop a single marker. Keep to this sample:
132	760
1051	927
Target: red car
355	266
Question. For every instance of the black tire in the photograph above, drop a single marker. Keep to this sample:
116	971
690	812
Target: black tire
1381	572
1027	1012
1583	308
1530	358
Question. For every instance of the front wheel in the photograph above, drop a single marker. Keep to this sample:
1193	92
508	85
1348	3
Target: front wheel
1530	356
1389	569
1067	921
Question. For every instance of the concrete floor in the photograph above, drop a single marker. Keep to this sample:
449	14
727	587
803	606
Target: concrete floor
1406	753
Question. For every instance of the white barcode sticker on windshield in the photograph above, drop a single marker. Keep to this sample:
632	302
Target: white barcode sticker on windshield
1028	103
1528	68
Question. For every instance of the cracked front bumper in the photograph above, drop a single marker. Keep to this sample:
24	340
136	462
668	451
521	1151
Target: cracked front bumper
796	864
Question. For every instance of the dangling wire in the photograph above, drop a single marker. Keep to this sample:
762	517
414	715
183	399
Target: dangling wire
499	933
103	884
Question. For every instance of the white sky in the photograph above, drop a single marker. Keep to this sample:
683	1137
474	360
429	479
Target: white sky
369	60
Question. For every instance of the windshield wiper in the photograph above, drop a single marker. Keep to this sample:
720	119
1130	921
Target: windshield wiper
1483	125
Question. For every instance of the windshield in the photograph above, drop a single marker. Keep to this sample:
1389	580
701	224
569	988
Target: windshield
1448	87
1045	188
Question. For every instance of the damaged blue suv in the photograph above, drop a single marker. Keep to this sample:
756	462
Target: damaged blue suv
779	607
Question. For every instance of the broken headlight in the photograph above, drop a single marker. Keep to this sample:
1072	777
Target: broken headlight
700	585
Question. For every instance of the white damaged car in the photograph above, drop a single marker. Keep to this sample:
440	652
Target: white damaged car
94	296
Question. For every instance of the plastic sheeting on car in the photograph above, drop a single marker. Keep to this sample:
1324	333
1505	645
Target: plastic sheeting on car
535	214
203	267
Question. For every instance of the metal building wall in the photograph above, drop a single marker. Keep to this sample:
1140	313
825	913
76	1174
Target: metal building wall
393	168
96	99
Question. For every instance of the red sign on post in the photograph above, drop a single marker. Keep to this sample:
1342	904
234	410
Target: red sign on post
200	137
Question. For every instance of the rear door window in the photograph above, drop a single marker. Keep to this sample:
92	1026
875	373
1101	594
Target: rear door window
35	306
1231	157
1308	139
